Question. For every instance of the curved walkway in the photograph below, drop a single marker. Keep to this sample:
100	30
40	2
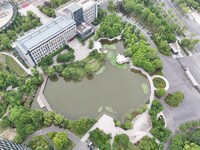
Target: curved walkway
152	88
79	144
166	81
115	38
28	71
44	131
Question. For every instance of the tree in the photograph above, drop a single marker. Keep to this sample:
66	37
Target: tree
121	142
177	142
100	139
68	73
128	125
46	61
147	143
25	120
89	69
59	119
48	118
82	125
145	13
174	99
51	72
138	9
110	27
61	141
91	44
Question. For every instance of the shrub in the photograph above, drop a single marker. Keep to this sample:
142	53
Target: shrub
160	92
127	125
174	99
91	44
159	83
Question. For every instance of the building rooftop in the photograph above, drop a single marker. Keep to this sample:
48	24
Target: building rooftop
73	7
44	32
85	3
83	27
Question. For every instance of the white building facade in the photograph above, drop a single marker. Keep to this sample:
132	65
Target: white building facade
89	8
44	40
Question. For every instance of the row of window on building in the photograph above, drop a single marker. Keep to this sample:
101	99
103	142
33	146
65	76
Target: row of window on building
55	43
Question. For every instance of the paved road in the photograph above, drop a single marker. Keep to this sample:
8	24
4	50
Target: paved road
191	24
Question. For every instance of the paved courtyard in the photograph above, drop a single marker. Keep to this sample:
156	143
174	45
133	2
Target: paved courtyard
141	128
80	51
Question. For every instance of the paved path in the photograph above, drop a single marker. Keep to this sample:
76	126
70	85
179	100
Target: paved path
152	88
44	131
166	81
42	101
28	71
79	144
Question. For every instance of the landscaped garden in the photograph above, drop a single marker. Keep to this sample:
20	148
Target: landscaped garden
188	137
19	25
159	83
158	131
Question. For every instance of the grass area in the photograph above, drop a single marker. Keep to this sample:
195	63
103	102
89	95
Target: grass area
144	88
15	67
109	46
159	83
112	57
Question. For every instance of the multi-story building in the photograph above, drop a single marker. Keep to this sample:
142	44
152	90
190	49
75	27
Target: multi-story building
84	9
42	41
8	145
83	12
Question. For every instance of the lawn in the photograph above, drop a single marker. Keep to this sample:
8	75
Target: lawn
109	46
15	67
